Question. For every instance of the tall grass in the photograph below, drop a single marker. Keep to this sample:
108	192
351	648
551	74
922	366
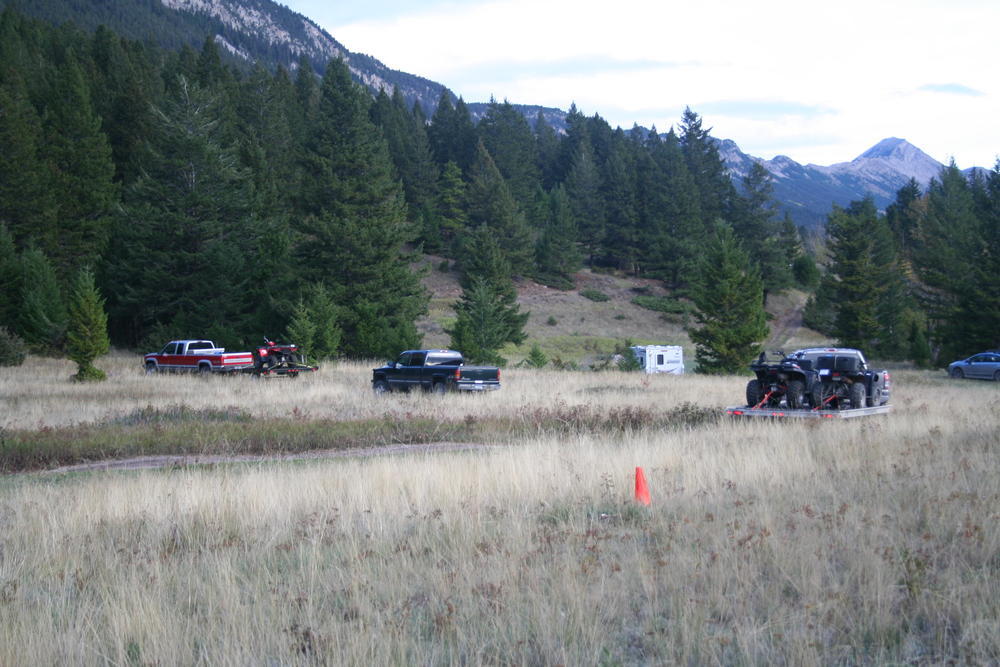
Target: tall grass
867	541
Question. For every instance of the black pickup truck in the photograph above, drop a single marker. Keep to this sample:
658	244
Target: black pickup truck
437	371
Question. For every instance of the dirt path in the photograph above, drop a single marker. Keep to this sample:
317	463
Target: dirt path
178	461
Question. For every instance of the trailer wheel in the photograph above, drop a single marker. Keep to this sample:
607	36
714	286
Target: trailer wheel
753	393
381	387
857	395
795	395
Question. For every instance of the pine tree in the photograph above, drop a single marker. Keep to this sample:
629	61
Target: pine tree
755	224
728	298
186	230
947	236
489	202
556	253
622	232
79	158
677	234
354	224
536	358
27	202
42	320
715	189
583	185
547	149
488	313
507	137
87	331
314	327
865	277
449	213
10	278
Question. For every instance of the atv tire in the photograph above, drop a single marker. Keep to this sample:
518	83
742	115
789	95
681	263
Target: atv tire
857	395
795	395
754	394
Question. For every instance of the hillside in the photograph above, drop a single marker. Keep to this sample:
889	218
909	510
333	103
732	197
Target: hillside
575	329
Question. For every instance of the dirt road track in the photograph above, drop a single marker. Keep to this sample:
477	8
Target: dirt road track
141	462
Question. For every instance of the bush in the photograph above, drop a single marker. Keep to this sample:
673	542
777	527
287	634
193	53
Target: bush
13	350
661	304
594	295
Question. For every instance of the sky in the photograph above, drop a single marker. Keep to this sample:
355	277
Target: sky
819	82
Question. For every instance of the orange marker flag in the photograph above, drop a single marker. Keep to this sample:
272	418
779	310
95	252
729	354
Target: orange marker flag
641	489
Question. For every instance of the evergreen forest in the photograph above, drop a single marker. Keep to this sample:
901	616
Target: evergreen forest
205	199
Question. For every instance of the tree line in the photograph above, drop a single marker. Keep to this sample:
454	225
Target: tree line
223	202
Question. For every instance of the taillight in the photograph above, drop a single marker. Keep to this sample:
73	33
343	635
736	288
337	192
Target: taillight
458	372
498	375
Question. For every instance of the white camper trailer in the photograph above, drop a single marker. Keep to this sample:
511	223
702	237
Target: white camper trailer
660	358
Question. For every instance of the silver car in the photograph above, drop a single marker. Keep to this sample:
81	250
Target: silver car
983	366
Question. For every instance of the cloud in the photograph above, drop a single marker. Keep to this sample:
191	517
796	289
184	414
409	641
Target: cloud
762	109
951	89
584	65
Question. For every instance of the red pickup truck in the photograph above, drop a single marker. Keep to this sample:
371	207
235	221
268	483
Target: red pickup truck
199	356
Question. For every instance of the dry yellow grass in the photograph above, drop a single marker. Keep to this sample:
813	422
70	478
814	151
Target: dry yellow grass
864	541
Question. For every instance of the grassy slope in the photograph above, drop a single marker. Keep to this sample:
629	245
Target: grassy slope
584	329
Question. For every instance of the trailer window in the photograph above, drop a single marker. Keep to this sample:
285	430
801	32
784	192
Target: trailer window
659	360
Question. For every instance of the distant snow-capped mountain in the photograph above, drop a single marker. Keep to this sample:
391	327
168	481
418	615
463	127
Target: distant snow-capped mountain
808	192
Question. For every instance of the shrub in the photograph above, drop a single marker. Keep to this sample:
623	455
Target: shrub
660	304
552	321
13	350
594	295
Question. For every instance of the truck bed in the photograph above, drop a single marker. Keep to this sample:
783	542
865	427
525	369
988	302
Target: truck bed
742	411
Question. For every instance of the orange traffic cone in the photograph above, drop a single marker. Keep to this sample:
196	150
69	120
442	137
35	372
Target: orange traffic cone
641	489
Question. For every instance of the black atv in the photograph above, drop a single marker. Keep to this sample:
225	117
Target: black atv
817	378
779	377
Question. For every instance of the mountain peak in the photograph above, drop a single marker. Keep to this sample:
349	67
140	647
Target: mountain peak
894	148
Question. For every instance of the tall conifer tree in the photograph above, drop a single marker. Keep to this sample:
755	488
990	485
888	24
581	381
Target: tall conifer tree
729	306
354	225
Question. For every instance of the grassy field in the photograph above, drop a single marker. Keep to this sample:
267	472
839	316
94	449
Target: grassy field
865	541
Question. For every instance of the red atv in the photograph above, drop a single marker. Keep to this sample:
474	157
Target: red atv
282	359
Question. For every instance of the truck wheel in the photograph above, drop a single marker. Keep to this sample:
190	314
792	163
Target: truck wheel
151	368
795	395
857	395
996	376
957	373
381	387
204	370
753	393
438	388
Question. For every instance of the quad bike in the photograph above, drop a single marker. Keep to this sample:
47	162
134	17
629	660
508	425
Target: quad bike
281	359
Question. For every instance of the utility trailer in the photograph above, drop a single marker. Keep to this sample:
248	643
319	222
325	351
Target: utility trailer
742	411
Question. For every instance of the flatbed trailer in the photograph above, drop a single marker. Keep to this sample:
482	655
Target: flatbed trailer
742	411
